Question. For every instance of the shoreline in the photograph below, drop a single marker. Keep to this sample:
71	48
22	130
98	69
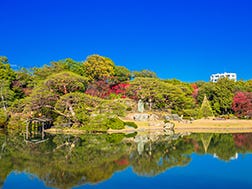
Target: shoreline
197	126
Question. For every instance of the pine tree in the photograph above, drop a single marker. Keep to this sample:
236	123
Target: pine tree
205	109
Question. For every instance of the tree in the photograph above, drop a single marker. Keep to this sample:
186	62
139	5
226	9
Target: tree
6	94
81	109
205	110
162	94
65	82
122	74
44	97
99	89
98	67
219	94
242	104
195	91
144	73
6	72
7	76
23	84
67	64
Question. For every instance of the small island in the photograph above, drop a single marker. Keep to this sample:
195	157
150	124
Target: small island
97	95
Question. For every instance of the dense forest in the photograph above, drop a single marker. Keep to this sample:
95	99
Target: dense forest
92	94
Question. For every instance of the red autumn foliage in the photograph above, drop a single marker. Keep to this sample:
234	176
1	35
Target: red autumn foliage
195	91
120	89
243	140
122	162
99	88
242	104
104	89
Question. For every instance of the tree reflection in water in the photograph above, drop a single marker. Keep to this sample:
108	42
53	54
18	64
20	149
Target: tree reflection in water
65	161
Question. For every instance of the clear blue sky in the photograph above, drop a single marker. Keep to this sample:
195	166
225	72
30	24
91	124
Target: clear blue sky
183	39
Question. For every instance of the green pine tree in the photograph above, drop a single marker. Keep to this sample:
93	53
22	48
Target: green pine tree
205	109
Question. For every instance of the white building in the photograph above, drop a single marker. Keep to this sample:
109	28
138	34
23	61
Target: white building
214	77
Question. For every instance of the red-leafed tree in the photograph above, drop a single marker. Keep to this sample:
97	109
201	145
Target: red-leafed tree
120	89
99	88
104	89
243	140
242	104
195	91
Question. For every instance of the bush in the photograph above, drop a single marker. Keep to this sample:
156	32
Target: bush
115	123
97	123
190	113
62	122
131	135
131	124
111	107
16	121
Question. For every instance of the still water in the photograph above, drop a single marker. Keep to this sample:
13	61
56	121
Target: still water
146	160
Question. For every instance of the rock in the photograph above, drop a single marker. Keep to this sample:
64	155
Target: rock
167	118
141	117
153	117
173	117
168	132
176	117
169	126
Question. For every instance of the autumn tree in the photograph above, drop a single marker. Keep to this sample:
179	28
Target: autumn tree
99	88
242	104
99	67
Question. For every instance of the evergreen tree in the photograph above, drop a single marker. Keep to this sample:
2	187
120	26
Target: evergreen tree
205	109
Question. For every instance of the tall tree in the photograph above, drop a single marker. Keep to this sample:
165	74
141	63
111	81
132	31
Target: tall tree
99	67
7	76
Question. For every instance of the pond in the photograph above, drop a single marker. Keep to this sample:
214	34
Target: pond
137	160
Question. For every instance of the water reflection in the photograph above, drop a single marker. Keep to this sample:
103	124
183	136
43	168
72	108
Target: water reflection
65	161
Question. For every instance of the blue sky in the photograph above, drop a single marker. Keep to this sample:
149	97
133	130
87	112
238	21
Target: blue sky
183	39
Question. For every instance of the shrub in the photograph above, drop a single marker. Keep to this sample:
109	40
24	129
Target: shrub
115	123
131	124
16	121
130	135
97	123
